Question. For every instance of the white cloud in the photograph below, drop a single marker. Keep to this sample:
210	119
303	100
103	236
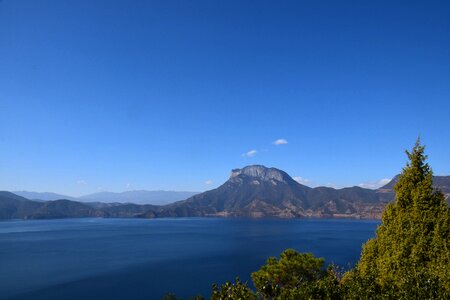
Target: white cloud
82	182
302	180
128	185
250	153
280	142
209	182
374	184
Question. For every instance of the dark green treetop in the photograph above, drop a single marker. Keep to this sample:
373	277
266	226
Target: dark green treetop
296	276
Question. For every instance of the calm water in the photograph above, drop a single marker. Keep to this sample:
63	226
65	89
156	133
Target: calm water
143	259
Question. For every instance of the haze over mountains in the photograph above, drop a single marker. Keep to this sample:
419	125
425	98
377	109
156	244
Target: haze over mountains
253	191
44	196
138	197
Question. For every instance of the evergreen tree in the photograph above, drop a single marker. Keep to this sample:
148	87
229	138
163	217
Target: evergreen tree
410	256
296	276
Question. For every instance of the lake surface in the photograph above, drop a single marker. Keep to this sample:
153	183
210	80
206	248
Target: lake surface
145	258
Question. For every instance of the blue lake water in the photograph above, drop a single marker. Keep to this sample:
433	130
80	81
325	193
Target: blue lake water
145	258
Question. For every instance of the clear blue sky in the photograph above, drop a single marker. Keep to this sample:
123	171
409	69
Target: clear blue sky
123	95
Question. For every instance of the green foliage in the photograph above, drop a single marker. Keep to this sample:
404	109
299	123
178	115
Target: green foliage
296	276
410	256
236	291
292	270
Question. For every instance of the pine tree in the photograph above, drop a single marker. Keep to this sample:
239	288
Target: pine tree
410	256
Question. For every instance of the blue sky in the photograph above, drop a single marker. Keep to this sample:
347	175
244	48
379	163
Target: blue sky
123	95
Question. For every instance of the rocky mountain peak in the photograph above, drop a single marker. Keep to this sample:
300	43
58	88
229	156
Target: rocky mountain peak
259	172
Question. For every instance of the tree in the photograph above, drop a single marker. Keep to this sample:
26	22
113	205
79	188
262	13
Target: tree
409	258
296	276
236	291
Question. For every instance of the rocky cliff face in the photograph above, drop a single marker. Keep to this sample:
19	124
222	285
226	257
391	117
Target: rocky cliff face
260	173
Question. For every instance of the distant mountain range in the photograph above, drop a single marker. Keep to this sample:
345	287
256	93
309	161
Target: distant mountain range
254	191
46	196
137	197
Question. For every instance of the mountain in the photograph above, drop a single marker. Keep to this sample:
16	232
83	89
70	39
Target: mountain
254	191
58	209
13	206
138	197
257	191
46	196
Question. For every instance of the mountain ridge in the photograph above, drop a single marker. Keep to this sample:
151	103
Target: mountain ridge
253	191
156	197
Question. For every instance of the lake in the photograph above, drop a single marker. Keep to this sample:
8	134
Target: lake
145	258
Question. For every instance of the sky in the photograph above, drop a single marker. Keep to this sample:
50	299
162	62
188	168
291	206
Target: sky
172	95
